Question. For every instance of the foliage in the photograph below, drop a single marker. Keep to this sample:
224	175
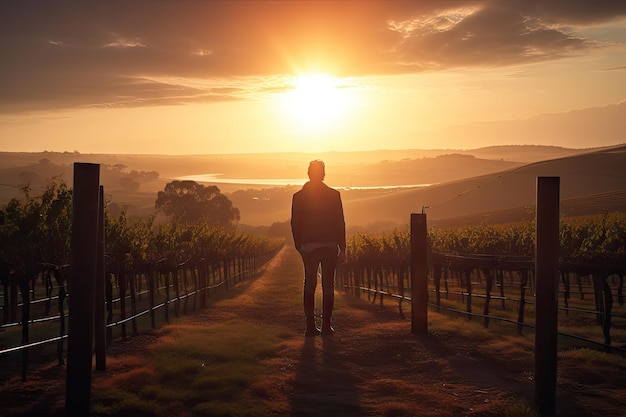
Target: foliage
37	229
128	240
141	241
383	250
600	240
589	239
517	239
188	201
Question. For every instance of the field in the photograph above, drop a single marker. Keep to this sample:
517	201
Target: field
380	260
245	355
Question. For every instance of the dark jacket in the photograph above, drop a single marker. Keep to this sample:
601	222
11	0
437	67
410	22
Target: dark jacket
317	215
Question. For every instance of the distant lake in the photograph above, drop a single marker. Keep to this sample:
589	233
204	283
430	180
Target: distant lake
279	182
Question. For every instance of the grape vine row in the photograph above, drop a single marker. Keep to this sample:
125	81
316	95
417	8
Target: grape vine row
174	260
496	262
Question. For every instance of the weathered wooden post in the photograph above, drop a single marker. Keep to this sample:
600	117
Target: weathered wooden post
100	329
419	274
547	281
84	249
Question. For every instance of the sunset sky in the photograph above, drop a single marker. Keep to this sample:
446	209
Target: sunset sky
205	77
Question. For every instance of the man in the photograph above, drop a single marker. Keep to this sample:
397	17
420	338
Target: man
319	233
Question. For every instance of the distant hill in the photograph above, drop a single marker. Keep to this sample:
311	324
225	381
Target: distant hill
582	176
527	153
594	204
604	124
468	183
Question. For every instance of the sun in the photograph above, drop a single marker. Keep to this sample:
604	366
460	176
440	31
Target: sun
316	101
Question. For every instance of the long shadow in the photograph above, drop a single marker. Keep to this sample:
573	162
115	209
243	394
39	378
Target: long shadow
515	375
482	371
323	385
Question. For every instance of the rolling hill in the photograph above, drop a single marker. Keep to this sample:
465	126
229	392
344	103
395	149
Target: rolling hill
468	186
594	176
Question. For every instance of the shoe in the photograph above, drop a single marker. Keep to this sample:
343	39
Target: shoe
327	330
327	313
311	328
312	332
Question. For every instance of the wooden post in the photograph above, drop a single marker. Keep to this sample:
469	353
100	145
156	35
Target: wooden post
547	281
100	329
84	249
419	274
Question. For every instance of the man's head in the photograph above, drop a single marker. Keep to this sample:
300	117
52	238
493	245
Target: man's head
316	170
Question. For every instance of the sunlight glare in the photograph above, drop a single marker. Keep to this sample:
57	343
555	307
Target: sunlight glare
317	101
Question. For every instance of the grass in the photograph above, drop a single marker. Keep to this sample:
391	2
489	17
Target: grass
194	369
497	340
500	334
595	357
220	368
579	324
521	409
212	370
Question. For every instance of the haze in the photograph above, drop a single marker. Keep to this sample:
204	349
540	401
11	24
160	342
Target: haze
494	184
211	77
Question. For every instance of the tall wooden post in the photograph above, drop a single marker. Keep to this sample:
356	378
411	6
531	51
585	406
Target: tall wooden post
84	248
100	329
419	274
546	273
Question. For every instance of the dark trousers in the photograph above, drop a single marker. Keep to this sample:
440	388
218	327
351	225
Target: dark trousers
327	258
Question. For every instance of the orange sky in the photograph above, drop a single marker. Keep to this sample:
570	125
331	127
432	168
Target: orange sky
201	77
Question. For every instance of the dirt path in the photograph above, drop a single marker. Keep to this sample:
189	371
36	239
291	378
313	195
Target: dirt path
372	366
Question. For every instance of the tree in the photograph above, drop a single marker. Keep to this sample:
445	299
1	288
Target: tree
188	201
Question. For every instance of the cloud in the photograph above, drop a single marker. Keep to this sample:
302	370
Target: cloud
571	12
490	37
67	54
121	42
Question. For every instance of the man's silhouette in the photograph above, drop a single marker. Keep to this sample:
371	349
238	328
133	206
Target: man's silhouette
319	233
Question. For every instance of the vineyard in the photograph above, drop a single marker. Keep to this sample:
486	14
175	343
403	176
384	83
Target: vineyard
172	267
154	270
486	272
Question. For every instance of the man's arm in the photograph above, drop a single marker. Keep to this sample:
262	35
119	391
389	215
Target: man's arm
296	228
341	231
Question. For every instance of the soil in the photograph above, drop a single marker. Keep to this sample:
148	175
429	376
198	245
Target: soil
372	366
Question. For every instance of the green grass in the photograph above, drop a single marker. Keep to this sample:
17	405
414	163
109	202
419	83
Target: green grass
196	369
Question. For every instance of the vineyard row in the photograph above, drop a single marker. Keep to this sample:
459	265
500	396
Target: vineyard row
132	292
490	268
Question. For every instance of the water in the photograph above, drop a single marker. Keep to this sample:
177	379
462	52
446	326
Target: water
279	182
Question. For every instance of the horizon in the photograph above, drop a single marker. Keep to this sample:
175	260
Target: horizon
379	188
205	78
380	150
